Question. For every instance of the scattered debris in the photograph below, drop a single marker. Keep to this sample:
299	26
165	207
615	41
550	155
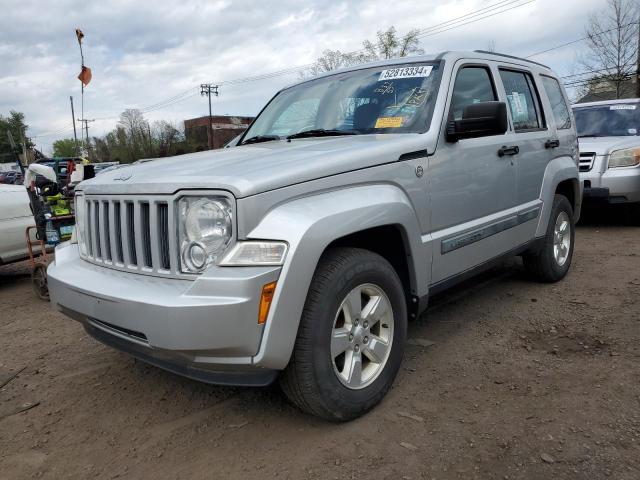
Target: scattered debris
8	410
547	458
411	416
420	342
6	377
238	425
408	446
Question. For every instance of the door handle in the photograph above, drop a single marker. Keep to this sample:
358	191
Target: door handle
512	150
552	143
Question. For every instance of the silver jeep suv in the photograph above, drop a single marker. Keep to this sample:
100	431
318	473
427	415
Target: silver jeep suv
302	252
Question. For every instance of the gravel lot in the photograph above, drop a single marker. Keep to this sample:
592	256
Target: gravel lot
523	381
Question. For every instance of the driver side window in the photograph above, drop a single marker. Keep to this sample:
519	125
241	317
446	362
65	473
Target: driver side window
473	85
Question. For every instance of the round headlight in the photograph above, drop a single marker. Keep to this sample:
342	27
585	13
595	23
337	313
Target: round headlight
209	223
205	231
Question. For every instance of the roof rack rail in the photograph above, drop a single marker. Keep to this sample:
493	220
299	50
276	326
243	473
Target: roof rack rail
486	52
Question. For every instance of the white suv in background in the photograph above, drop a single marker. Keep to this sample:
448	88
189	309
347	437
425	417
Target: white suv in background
15	217
608	135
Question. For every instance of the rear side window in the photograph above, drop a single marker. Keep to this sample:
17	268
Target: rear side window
473	85
523	100
558	103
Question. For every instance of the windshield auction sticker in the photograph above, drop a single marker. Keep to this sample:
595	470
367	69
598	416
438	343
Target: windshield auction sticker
389	122
406	72
622	107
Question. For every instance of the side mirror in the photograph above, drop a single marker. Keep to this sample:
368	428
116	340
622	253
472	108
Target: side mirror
479	120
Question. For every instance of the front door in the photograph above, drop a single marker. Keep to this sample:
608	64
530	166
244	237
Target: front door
472	187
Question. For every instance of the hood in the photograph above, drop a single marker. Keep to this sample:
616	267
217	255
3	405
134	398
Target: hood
606	145
250	169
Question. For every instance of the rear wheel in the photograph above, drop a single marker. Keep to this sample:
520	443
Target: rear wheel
351	336
39	281
550	260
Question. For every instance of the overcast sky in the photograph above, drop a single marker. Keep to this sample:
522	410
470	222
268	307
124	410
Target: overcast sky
143	53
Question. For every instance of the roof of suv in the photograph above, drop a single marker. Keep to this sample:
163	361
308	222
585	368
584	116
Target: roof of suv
606	102
448	55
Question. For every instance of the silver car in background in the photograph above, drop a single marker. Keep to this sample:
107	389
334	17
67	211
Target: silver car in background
609	138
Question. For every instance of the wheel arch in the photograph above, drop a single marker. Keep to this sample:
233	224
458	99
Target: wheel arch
313	224
560	177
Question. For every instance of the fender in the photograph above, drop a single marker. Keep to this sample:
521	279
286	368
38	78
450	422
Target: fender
558	170
309	225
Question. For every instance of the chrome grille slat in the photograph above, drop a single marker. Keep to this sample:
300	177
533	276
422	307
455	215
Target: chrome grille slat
97	241
586	161
87	227
145	222
173	240
137	236
131	234
105	238
117	223
163	236
124	230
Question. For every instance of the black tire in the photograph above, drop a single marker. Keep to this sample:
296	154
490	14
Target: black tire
540	262
310	380
39	281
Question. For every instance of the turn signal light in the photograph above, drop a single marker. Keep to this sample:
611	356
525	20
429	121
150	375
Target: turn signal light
265	302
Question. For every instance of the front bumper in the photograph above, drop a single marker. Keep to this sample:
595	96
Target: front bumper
614	185
206	329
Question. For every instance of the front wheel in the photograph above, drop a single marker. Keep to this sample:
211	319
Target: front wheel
351	336
550	260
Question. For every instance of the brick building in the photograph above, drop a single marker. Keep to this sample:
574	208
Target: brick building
224	129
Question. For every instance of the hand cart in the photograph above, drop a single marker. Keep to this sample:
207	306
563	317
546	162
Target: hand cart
54	220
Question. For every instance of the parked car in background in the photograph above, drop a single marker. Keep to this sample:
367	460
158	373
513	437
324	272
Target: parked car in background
11	177
15	217
302	252
609	138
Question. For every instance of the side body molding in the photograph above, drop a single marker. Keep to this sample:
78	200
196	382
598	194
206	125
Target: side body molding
309	225
558	170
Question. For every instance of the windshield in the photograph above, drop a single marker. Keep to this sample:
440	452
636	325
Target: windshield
397	99
617	120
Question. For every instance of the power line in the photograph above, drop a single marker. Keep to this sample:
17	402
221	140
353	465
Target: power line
579	40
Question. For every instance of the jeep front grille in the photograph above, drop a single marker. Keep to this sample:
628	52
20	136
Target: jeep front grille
130	233
586	161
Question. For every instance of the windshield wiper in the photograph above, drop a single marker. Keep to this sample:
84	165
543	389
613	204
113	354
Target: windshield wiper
260	139
594	135
321	132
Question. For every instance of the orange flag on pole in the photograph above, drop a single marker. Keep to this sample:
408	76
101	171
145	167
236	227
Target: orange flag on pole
85	76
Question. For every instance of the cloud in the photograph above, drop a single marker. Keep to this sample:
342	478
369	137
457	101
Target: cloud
143	53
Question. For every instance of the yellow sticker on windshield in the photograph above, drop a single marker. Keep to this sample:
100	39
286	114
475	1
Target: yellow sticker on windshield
389	122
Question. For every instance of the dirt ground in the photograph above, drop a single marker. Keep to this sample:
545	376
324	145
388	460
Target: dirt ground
524	381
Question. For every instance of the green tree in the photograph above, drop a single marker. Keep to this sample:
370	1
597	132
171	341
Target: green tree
15	124
65	147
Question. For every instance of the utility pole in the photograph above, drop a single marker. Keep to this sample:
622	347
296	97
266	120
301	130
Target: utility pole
73	117
85	142
208	89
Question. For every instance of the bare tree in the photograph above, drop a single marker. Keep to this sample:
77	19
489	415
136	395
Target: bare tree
612	37
387	45
166	136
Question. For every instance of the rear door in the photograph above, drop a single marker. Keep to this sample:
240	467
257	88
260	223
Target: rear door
562	118
531	131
